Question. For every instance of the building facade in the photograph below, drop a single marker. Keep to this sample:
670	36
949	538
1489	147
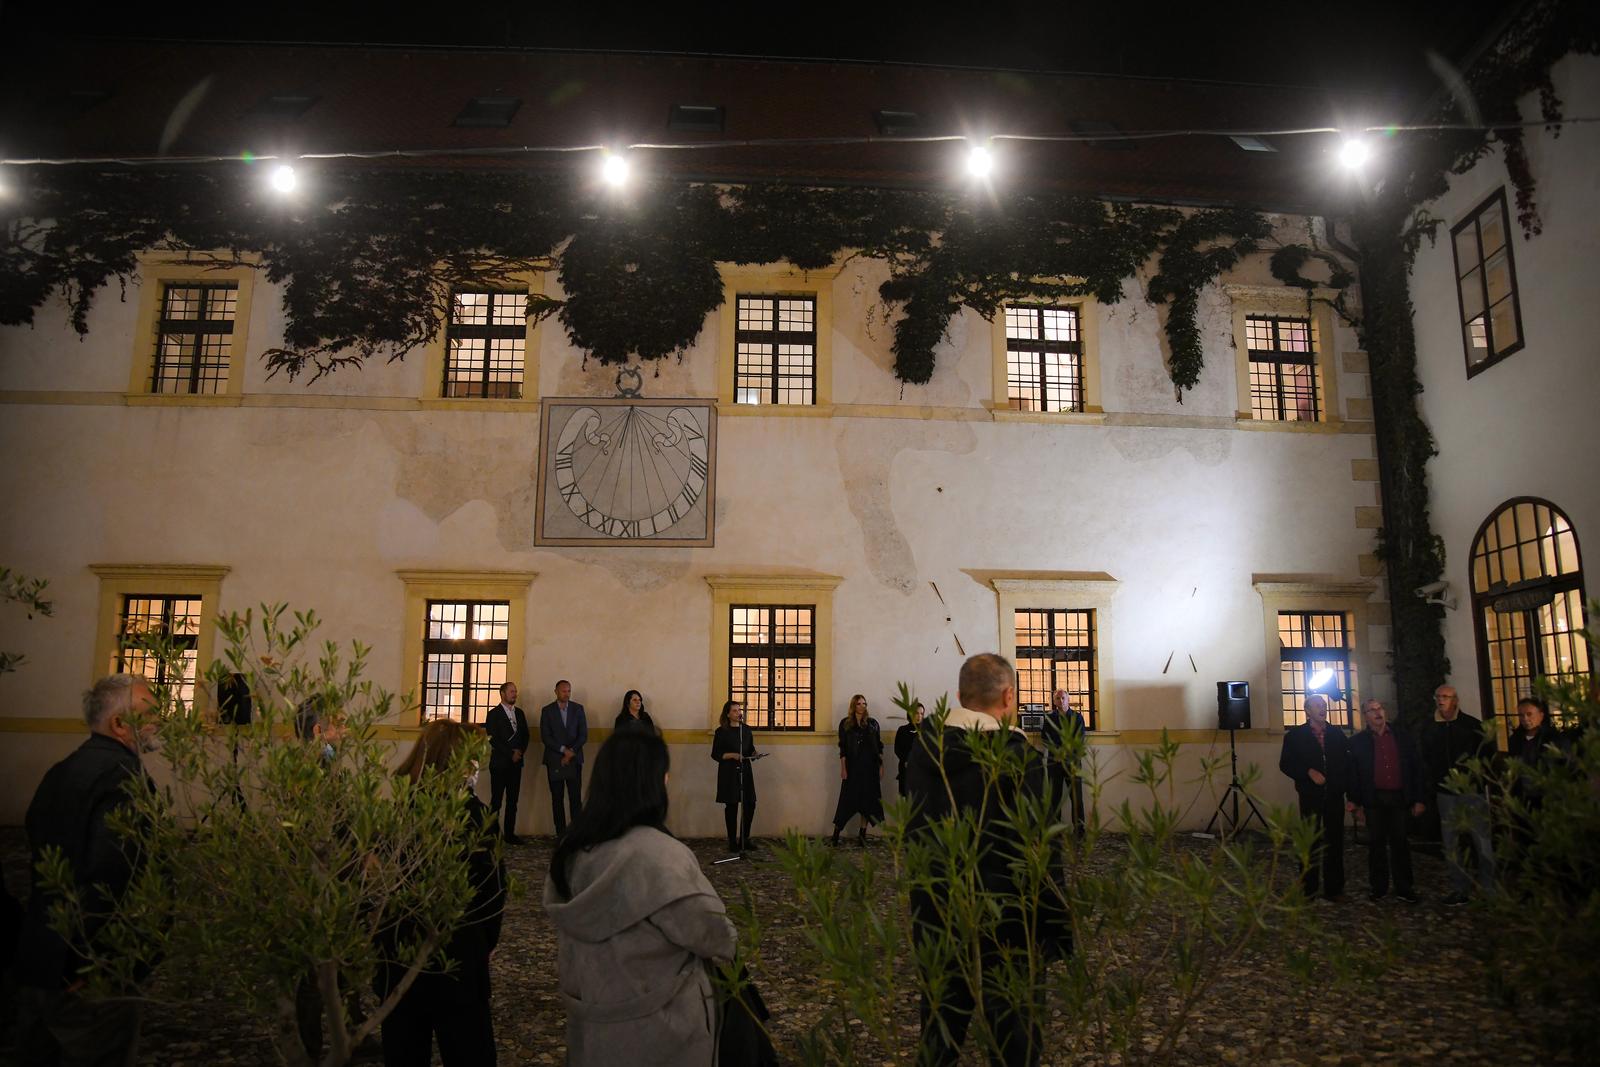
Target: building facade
1506	327
492	508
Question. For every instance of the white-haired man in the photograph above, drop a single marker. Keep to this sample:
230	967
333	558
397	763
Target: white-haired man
69	812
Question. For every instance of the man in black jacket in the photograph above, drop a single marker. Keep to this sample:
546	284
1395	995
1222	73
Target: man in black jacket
1317	756
507	728
1386	781
945	781
1453	738
69	812
1061	722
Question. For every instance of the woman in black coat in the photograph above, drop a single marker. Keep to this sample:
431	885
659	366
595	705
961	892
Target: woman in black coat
733	747
904	738
633	716
860	769
451	1006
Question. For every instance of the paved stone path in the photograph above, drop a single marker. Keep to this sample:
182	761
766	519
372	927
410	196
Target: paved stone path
1433	1008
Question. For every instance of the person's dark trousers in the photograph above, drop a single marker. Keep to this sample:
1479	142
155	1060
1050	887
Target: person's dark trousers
738	836
505	785
1388	849
571	788
433	1009
60	1029
1068	787
1326	870
1020	1045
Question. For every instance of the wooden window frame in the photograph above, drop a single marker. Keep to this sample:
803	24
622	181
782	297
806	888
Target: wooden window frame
157	273
422	586
118	581
776	590
776	280
1066	591
1497	198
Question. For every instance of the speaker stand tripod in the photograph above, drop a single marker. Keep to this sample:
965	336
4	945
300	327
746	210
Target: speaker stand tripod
1234	791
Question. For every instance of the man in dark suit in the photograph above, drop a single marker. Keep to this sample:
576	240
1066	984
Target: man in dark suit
564	731
1317	756
1060	722
507	728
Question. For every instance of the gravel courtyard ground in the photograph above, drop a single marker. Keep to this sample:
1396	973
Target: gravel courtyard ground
1433	1008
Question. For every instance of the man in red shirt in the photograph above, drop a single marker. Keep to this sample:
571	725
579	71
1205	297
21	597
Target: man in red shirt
1386	781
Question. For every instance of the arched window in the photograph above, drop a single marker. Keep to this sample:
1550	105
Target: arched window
1528	599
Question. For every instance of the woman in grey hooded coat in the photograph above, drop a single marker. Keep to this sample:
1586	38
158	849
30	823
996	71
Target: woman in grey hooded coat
636	921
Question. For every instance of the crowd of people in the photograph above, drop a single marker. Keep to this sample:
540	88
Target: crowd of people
1383	777
638	924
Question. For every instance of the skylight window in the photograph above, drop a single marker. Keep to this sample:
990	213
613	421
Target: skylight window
700	118
484	111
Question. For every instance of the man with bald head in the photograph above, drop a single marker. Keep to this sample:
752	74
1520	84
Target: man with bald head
1450	740
1317	756
56	1025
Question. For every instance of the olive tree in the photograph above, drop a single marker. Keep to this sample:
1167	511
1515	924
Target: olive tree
1156	917
269	868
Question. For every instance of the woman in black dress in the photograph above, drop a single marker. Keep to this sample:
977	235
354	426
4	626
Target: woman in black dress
860	770
732	746
904	738
633	716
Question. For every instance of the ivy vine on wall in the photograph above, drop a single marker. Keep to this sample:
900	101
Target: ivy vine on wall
1387	230
367	262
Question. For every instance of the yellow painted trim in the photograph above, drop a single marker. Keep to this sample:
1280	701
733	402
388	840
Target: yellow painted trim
1282	300
157	270
1060	418
184	400
923	412
42	724
1072	590
118	580
784	280
727	408
1088	333
1310	592
433	397
423	585
813	589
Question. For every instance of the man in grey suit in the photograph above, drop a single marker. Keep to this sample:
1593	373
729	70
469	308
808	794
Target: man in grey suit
564	731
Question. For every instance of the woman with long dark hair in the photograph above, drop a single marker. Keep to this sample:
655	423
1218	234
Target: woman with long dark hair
451	1006
635	920
633	716
860	769
733	747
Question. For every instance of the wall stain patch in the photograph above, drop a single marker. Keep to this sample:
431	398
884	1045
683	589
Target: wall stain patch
867	449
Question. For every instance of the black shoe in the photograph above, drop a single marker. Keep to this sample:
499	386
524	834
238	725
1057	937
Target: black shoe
861	838
1375	895
750	846
513	839
733	846
836	830
1454	900
1407	895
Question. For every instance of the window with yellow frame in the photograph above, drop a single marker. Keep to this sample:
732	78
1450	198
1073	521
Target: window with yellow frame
192	331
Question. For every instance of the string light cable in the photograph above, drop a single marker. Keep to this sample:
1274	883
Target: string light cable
796	142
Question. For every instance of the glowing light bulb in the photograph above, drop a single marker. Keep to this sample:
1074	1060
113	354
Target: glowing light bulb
284	178
1319	678
980	162
1354	153
614	170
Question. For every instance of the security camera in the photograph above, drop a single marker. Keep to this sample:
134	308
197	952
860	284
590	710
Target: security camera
1437	593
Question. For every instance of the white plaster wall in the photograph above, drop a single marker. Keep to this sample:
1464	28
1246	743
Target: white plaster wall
319	507
1526	426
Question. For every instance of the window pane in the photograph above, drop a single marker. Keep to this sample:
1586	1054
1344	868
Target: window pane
1503	324
1493	224
1466	249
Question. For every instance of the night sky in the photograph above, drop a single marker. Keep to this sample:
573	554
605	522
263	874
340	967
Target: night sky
1376	47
